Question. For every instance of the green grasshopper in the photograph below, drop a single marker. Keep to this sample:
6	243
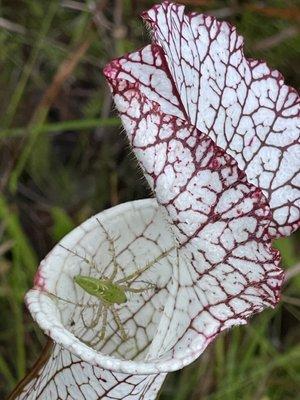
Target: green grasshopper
110	291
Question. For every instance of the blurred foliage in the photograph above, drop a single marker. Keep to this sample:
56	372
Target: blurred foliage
63	158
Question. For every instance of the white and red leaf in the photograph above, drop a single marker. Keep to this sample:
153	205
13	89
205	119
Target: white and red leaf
242	104
226	268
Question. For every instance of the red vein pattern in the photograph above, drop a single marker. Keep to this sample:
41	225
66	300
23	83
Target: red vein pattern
241	104
66	376
227	268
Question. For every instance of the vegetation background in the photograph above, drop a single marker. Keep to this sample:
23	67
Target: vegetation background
63	158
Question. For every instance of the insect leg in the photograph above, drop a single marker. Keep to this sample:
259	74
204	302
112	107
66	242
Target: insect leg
140	271
119	323
104	323
140	290
97	318
52	295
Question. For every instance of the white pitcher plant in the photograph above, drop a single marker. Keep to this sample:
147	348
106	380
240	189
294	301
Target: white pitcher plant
217	137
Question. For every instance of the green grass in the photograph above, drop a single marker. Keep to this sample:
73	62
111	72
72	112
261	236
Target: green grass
73	161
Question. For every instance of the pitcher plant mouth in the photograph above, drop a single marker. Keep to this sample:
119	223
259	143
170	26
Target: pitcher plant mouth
46	306
53	310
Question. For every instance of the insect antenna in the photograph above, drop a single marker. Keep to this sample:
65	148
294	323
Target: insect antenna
109	237
112	250
76	254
